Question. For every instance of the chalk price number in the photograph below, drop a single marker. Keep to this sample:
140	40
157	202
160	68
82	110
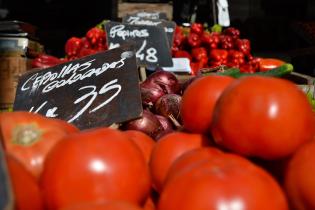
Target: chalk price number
148	54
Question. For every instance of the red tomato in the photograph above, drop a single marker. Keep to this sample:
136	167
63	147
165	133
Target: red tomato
29	137
299	178
110	205
227	181
149	204
24	186
264	117
187	160
198	102
143	141
95	165
265	64
167	149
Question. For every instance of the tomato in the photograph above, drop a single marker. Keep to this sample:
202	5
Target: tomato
187	160
167	149
143	141
299	178
29	137
198	102
226	181
263	117
265	64
95	165
149	204
24	186
110	205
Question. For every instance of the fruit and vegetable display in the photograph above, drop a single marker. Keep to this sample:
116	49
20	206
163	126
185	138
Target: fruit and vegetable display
234	135
216	141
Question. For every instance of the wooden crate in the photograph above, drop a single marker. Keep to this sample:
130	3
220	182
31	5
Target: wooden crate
10	70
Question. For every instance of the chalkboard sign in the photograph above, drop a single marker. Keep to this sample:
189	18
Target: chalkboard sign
147	14
169	26
6	198
93	91
151	42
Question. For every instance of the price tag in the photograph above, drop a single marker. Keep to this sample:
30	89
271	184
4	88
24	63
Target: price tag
93	91
147	14
169	26
151	43
6	198
180	65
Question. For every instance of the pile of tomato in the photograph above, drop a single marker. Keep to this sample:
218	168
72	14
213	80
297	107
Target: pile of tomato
245	143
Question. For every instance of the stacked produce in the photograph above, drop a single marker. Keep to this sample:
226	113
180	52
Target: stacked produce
225	140
205	48
76	47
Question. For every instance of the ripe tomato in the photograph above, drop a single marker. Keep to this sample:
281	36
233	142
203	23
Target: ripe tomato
226	181
263	117
198	102
299	178
187	160
95	165
29	137
24	186
167	149
265	64
143	141
110	205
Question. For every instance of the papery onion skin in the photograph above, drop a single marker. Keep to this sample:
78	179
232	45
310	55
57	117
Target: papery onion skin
148	124
169	105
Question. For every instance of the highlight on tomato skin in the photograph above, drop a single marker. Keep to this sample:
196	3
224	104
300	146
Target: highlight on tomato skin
99	164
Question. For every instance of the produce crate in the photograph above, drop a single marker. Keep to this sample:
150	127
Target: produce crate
10	69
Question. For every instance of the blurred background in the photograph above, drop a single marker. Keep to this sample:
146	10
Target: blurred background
276	28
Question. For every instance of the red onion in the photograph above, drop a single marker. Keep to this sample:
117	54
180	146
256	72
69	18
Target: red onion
148	124
166	123
169	106
150	92
166	80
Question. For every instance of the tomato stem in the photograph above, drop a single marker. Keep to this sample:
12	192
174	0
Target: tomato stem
26	134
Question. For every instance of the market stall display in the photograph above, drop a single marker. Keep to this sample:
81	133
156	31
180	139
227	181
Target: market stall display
234	133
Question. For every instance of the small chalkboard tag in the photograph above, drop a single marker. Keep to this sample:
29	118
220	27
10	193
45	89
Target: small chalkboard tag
169	26
147	14
152	48
6	197
93	91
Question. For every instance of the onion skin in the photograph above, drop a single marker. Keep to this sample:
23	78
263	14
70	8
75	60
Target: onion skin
166	80
148	124
150	93
166	123
169	105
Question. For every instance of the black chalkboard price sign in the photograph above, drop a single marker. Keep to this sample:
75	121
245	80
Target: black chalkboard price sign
147	14
93	91
152	48
6	197
169	26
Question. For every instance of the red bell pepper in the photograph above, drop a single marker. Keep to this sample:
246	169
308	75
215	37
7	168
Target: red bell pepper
199	53
243	45
45	61
182	54
211	40
226	42
196	28
233	32
194	40
73	46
